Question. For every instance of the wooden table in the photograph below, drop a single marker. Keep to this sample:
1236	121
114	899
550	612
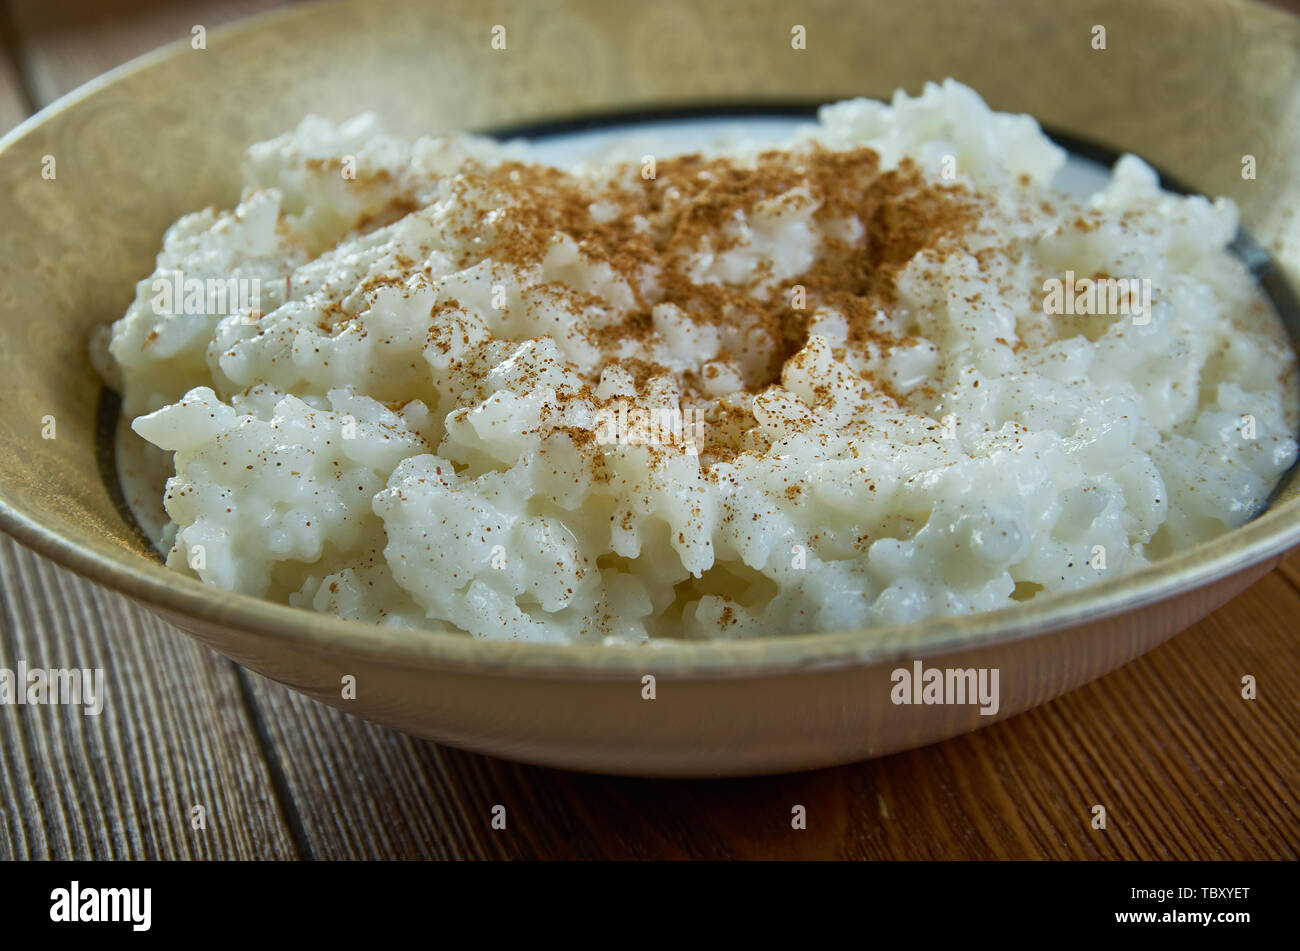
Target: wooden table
1185	767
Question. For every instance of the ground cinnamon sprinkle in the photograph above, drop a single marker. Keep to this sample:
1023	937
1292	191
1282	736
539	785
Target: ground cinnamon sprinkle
651	232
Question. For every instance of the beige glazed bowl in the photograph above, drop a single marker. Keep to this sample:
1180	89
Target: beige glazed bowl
1192	86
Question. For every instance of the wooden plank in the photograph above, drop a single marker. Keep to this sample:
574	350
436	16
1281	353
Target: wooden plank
1290	567
1185	767
68	42
174	732
14	107
364	791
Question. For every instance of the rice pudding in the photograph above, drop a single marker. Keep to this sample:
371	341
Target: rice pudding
882	372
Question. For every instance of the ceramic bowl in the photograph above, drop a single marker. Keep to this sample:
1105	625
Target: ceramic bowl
1193	87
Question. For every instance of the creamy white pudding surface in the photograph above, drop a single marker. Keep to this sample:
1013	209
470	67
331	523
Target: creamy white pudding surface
880	373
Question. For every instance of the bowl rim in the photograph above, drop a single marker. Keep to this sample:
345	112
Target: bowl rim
1269	535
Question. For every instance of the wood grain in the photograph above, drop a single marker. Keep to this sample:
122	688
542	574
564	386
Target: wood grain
1185	767
174	733
14	105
